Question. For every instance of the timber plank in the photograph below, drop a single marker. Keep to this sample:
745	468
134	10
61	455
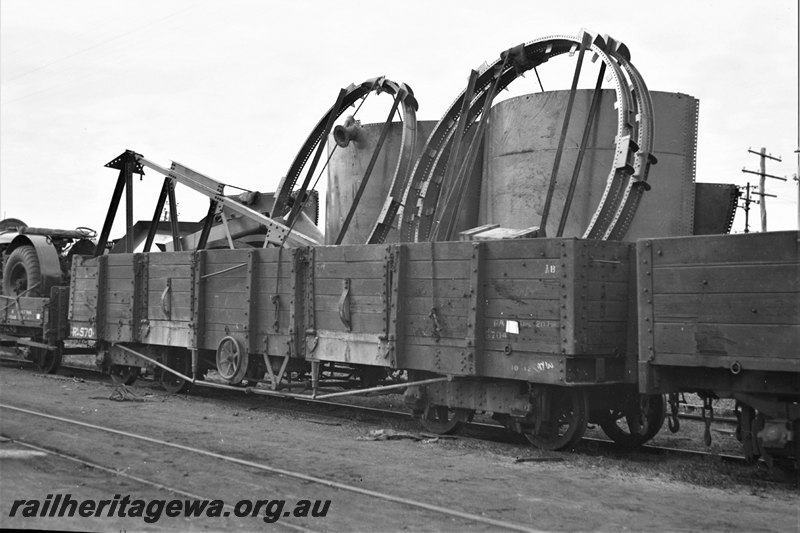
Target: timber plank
117	310
767	363
745	308
170	258
359	323
354	271
178	314
157	285
160	272
428	341
119	297
442	270
728	278
220	321
119	260
532	346
226	300
441	251
507	249
607	290
750	248
528	269
221	284
358	303
523	248
119	272
89	271
168	333
227	256
116	333
607	310
175	299
332	287
740	340
119	284
519	309
522	290
214	333
349	254
227	271
535	331
422	326
422	306
81	285
442	288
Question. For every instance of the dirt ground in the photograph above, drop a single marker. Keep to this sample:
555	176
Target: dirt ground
588	489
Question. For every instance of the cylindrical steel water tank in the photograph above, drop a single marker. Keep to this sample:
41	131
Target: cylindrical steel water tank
520	145
346	170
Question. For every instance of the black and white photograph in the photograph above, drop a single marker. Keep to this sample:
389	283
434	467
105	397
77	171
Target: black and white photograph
439	266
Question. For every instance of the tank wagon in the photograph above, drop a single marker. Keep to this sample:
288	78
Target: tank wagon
548	325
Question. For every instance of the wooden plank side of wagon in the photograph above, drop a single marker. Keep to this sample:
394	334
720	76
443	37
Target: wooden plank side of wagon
227	284
728	302
117	288
348	304
434	308
168	286
83	297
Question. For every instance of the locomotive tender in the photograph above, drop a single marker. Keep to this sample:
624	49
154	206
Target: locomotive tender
546	333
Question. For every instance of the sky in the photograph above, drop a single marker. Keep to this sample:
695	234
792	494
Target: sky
233	88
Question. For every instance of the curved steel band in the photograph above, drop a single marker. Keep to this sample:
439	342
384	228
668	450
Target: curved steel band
352	94
631	162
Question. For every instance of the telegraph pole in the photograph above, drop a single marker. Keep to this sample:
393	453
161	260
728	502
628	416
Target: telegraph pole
762	174
746	201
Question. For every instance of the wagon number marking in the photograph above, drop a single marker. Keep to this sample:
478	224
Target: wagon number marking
82	332
541	366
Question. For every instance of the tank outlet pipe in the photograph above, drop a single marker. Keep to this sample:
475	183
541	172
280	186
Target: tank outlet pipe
349	131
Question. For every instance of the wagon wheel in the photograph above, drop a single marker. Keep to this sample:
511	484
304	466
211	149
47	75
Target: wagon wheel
48	361
633	425
170	381
232	360
566	423
124	374
444	420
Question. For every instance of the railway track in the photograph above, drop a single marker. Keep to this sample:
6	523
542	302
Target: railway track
475	430
158	446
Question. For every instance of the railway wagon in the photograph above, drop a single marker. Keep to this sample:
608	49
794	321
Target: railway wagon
532	330
720	316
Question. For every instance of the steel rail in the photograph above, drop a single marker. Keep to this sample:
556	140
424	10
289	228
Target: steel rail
480	425
143	481
281	471
318	399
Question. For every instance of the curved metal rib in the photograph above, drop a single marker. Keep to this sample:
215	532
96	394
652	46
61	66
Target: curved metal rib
353	93
618	202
